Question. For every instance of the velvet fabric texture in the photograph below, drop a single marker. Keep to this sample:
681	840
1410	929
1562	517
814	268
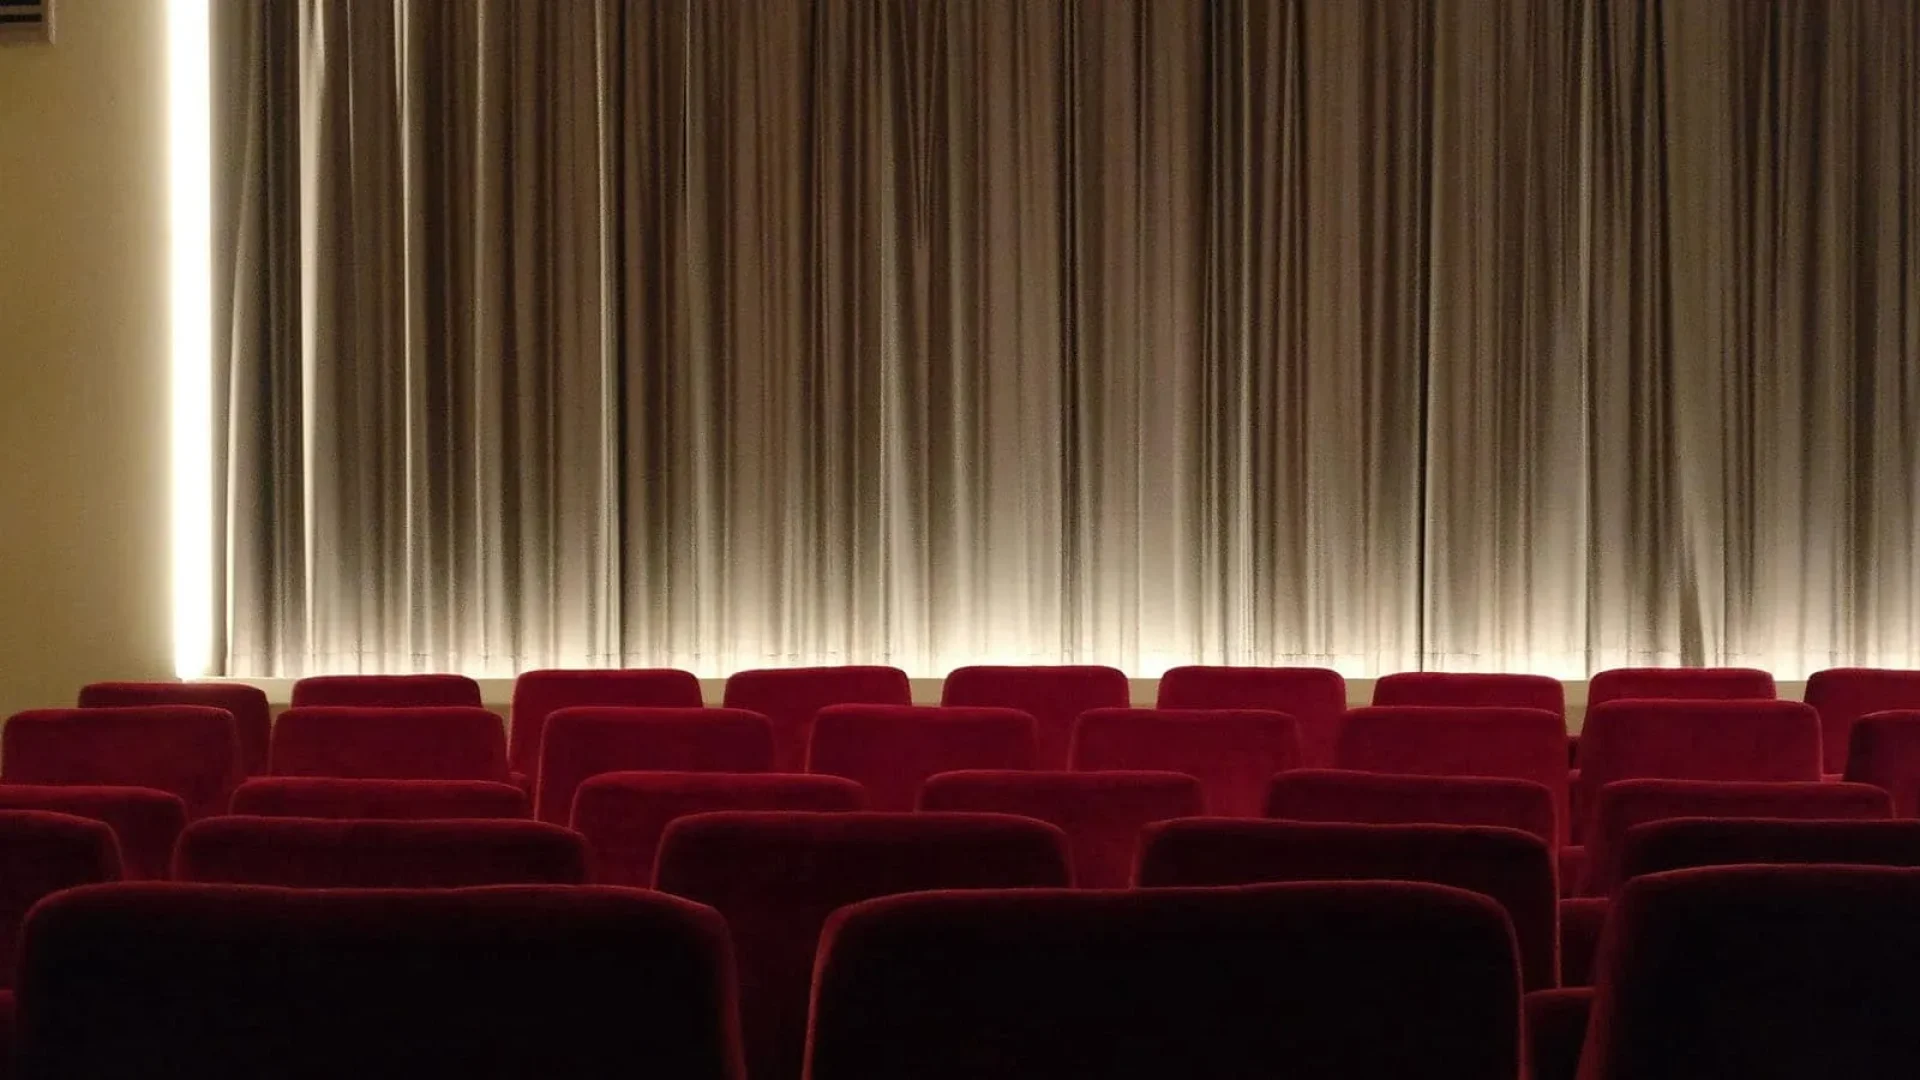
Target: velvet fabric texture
386	691
1759	972
1884	750
1471	690
890	750
187	750
624	814
1512	867
387	800
1582	921
1680	684
42	853
790	697
1316	698
391	743
539	694
1844	695
777	877
1687	843
1556	1031
324	853
224	982
1102	813
252	718
146	822
1234	753
1431	740
1310	982
1362	798
585	742
1054	696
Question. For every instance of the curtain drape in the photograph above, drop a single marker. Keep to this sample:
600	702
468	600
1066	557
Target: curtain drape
1540	335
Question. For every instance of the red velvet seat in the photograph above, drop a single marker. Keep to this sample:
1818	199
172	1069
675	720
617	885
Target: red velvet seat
391	743
1680	684
1234	753
586	742
145	822
224	982
187	750
1363	798
324	853
1512	867
1307	982
890	750
252	719
778	876
624	814
1556	1023
42	853
386	691
1688	843
389	800
1424	740
1884	750
1054	696
1102	813
1315	697
1844	695
1759	972
789	698
539	694
1471	691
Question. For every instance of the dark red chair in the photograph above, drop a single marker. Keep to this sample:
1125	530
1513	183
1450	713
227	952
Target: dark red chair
1054	696
1234	753
582	743
186	750
1315	697
1471	691
1844	695
386	800
386	692
1884	750
1512	867
1680	684
789	698
1102	813
252	719
221	982
1689	843
324	853
1431	740
777	877
1362	798
539	694
890	750
391	743
42	853
145	821
1556	1024
624	814
1310	982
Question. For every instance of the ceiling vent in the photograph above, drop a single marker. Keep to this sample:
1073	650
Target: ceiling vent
26	22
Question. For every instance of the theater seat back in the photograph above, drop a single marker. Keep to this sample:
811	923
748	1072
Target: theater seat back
1688	843
624	814
790	698
320	853
188	750
146	822
1432	740
380	800
386	691
252	718
1234	753
42	853
1363	798
539	694
1315	697
391	743
585	742
1054	695
890	750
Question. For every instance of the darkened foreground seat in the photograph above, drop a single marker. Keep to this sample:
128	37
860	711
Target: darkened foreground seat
187	750
252	718
40	854
390	800
146	822
386	691
1102	813
222	982
318	853
1308	982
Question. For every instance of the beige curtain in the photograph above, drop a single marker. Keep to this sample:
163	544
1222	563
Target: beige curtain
1480	334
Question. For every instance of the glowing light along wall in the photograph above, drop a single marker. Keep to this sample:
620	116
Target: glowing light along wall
190	270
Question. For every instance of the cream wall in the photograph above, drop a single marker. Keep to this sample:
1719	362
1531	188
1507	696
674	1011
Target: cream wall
83	355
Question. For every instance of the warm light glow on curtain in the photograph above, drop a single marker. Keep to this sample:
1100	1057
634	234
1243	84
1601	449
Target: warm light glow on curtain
190	275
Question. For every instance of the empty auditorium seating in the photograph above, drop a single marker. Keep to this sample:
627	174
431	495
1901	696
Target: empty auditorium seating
1884	750
188	750
1697	740
1234	753
1102	813
1689	684
145	821
42	853
890	750
386	691
1362	798
585	742
1469	690
776	877
390	743
1759	972
1844	695
1512	867
538	694
789	698
223	982
1054	696
321	853
1309	982
1524	744
1686	843
393	800
252	720
1315	697
624	814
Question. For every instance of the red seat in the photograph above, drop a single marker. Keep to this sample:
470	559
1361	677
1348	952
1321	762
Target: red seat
777	876
1844	695
1680	684
539	694
1429	740
226	981
1687	843
1476	691
322	853
1234	753
391	743
624	814
890	750
386	691
145	821
1054	696
252	720
1309	982
1362	798
1315	697
1102	813
1884	750
586	742
1512	867
42	853
187	750
789	698
391	800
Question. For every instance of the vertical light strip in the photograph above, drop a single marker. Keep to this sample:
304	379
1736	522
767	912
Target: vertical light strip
190	235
